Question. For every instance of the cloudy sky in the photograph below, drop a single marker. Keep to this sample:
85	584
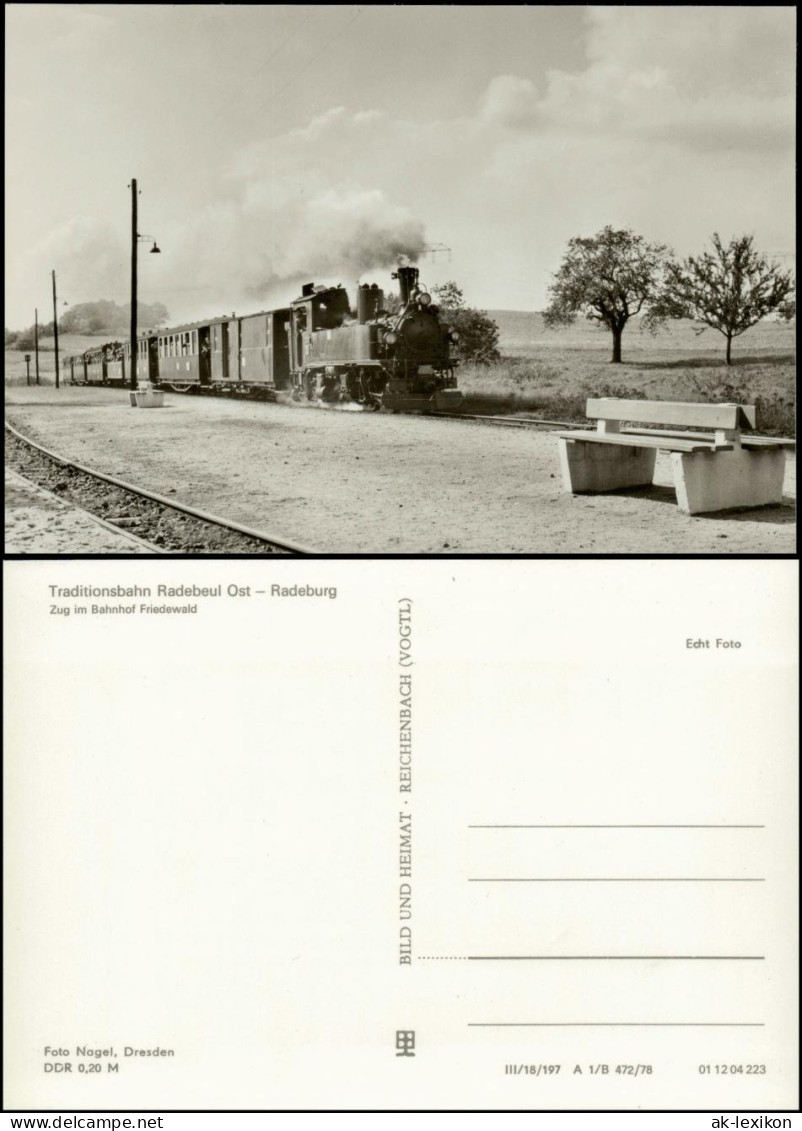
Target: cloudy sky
278	143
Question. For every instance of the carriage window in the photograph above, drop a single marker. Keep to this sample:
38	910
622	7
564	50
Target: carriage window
214	336
194	341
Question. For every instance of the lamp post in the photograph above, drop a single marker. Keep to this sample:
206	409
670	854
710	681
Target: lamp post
55	322
136	238
28	368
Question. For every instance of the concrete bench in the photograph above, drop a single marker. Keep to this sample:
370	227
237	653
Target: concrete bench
715	468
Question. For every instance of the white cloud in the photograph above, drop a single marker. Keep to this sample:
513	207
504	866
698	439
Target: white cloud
697	77
679	125
510	101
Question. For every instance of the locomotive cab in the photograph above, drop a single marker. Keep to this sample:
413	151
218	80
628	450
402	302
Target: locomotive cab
334	354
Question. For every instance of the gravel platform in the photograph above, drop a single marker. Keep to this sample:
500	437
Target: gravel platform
358	482
162	527
37	522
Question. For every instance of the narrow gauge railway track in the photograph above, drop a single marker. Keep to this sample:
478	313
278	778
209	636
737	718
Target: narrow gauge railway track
532	422
269	397
163	525
509	421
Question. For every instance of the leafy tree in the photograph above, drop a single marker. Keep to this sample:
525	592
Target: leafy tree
392	303
103	317
25	339
787	312
478	333
607	278
730	289
107	317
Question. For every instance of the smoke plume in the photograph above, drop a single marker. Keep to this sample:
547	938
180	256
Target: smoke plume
290	210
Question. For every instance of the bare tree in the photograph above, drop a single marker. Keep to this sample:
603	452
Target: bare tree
608	278
730	289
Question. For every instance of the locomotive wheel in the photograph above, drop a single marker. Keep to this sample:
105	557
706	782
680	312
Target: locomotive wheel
330	390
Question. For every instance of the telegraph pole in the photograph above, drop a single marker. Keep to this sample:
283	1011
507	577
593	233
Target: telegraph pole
36	341
134	240
55	323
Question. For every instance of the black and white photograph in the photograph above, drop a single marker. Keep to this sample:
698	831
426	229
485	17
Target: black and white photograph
400	279
400	578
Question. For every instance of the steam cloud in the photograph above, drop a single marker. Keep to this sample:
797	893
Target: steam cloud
336	236
249	252
291	209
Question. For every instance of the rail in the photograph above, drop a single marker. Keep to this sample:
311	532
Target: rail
279	542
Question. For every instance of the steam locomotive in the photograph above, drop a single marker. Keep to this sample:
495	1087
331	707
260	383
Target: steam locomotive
318	348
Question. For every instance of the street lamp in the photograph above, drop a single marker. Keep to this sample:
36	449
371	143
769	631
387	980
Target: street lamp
55	323
136	239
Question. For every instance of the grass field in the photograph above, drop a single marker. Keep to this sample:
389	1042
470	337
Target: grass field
68	344
553	372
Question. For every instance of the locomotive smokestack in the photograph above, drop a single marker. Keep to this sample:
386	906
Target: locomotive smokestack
368	301
407	281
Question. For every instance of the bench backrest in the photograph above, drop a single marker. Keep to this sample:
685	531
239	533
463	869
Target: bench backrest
713	416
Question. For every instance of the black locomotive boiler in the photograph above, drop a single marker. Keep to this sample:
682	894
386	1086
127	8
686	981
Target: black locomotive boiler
398	361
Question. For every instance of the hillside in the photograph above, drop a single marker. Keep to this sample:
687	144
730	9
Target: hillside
553	372
523	332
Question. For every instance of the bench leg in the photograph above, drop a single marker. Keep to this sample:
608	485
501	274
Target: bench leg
600	467
717	481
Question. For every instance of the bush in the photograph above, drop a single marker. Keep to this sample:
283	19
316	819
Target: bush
478	333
